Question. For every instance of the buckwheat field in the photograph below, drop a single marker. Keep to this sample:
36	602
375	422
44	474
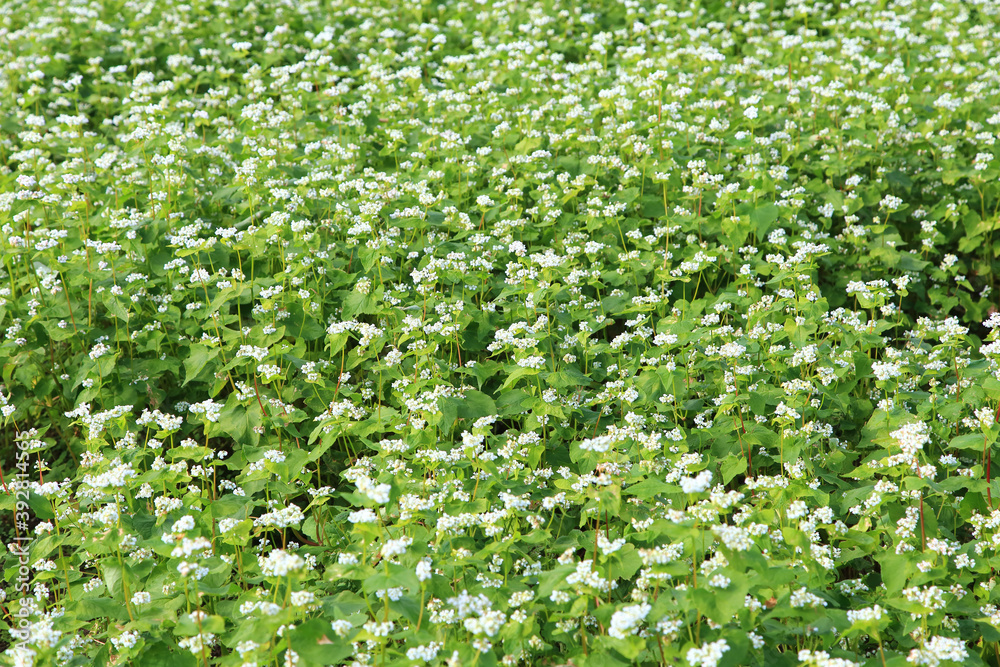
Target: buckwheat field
565	333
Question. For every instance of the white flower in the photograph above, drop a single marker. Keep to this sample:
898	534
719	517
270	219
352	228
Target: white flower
377	492
938	649
626	621
698	484
809	658
280	563
732	350
183	524
608	547
125	640
393	548
708	655
865	614
302	598
281	518
362	516
423	653
535	362
803	598
341	627
380	629
424	569
885	370
226	525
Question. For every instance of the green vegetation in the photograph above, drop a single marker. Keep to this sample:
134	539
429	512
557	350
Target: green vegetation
520	333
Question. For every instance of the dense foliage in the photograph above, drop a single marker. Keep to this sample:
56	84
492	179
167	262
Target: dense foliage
538	333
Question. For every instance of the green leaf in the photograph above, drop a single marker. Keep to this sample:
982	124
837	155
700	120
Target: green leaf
516	374
238	422
733	466
198	355
188	627
648	488
511	402
161	654
970	441
357	303
895	571
476	404
317	644
763	217
91	608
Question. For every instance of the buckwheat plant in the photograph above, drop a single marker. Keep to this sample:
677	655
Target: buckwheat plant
344	332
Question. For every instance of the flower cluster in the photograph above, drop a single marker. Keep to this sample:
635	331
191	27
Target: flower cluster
500	332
